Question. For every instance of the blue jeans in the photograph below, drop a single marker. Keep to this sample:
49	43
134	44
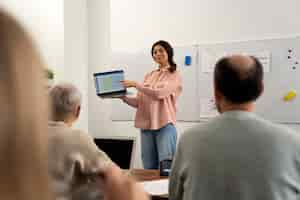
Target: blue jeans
158	145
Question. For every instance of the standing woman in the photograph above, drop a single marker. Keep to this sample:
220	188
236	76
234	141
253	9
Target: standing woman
156	106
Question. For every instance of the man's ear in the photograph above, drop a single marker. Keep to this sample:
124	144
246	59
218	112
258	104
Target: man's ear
77	111
217	94
262	88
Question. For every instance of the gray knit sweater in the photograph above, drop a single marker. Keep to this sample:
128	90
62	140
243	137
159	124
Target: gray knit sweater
237	156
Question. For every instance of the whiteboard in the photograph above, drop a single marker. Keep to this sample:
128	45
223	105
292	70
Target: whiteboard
188	104
283	75
136	65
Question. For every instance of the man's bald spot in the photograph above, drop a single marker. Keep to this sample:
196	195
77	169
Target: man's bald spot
239	78
242	64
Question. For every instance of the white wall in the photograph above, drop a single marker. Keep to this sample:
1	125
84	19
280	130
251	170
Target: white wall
98	60
59	28
76	52
137	24
45	21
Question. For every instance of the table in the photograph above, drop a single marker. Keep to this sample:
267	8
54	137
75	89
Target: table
148	175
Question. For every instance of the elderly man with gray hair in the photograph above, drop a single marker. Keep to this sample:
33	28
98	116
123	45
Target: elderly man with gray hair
74	159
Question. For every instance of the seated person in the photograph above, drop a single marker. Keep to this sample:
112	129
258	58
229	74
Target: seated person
23	141
74	159
237	155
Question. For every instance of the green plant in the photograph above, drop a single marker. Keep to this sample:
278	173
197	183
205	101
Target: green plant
49	74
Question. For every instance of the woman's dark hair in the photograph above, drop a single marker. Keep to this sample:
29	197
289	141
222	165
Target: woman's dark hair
169	51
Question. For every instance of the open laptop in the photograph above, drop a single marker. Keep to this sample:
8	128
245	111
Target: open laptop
119	149
108	84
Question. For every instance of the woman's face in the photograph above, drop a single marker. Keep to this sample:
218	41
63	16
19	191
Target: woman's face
160	55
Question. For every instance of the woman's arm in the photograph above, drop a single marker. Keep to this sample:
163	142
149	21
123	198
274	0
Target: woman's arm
165	89
132	101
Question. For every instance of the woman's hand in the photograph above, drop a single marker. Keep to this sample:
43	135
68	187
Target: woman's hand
119	97
118	185
128	83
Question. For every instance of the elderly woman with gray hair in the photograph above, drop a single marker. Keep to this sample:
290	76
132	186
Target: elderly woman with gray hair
74	159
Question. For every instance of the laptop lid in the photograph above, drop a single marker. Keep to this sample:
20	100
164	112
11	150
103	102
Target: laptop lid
119	149
109	83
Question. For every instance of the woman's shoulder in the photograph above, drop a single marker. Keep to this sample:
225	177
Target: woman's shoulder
176	74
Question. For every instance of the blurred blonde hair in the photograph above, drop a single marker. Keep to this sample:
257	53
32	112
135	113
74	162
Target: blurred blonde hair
23	147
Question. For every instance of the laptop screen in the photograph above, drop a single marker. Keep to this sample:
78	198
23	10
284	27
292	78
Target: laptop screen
119	150
109	82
